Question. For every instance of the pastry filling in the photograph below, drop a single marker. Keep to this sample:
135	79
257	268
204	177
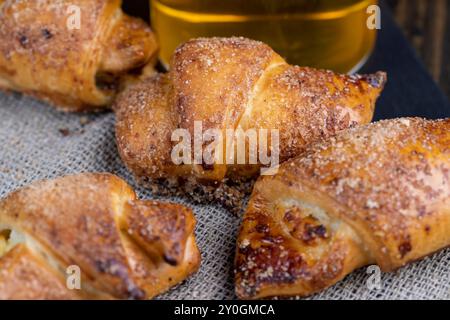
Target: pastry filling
304	226
314	227
107	82
110	82
8	240
308	224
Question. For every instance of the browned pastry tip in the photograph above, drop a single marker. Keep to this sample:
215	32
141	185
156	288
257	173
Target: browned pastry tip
125	248
231	83
376	194
75	55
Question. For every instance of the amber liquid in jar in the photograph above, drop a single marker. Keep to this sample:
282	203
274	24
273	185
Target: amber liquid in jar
330	34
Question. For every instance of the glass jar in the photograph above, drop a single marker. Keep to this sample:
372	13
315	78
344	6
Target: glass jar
330	34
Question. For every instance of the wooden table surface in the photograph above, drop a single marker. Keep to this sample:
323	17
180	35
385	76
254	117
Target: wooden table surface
426	23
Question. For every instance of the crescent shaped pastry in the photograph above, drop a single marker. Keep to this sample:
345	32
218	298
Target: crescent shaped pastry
123	248
73	54
376	194
234	83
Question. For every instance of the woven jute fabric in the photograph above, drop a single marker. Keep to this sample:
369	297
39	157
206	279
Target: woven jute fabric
39	142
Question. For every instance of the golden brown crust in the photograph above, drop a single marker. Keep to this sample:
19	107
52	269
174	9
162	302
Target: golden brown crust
140	143
95	222
75	69
379	193
24	276
162	228
230	83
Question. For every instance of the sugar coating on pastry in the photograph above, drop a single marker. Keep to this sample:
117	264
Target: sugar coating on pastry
125	248
234	84
378	193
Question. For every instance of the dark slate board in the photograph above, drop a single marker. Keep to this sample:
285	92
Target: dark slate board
410	90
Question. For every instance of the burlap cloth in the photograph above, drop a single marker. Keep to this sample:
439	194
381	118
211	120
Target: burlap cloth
38	142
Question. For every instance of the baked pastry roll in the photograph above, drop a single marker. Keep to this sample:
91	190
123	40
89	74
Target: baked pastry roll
74	54
234	83
125	248
377	194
